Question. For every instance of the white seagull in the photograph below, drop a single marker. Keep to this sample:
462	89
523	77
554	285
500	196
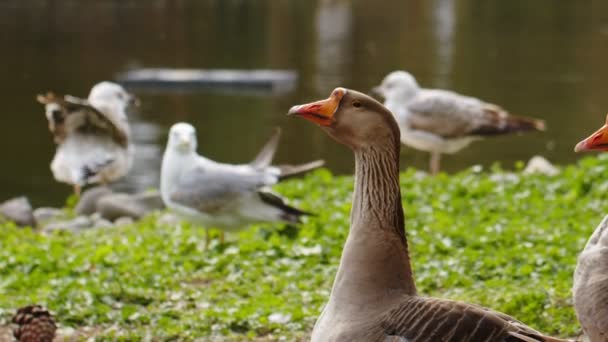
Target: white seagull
225	196
92	135
441	121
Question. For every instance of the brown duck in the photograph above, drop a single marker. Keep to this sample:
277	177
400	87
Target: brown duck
374	296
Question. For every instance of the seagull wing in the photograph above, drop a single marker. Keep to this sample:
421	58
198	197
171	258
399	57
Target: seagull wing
448	114
213	189
451	115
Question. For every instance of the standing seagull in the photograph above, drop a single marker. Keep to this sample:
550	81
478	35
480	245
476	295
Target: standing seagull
92	135
441	121
225	196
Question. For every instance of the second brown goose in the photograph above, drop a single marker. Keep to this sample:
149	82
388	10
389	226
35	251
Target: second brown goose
590	287
374	295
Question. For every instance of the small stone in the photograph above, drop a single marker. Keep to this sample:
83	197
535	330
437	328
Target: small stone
168	219
150	200
538	164
89	198
279	318
95	216
118	205
102	223
123	221
77	224
44	214
18	210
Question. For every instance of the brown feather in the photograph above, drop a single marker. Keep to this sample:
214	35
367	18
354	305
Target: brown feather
71	116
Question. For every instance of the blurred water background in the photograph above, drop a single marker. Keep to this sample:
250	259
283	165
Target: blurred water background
543	58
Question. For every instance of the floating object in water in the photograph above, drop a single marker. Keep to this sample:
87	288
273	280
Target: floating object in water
257	81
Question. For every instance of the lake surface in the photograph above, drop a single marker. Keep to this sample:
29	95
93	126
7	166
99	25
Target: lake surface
540	58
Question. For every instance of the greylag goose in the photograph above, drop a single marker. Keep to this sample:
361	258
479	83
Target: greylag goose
225	196
590	288
374	296
92	135
440	121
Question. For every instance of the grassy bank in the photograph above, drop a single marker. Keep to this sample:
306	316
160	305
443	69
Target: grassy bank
500	239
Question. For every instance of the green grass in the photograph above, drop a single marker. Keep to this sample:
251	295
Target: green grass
500	239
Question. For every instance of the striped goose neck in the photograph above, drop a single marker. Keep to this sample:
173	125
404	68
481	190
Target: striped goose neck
377	191
377	233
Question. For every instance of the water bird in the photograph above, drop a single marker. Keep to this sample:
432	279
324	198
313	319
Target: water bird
590	287
374	295
225	196
92	135
441	121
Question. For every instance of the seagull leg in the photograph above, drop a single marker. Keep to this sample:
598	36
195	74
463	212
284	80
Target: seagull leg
435	162
206	238
77	189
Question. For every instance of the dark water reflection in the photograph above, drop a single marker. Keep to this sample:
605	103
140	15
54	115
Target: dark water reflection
542	58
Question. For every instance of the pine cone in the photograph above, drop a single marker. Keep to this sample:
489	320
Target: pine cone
36	324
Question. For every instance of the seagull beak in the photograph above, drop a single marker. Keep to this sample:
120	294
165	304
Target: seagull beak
320	112
598	141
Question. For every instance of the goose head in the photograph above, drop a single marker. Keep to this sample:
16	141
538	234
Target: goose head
182	139
351	118
398	86
598	141
111	97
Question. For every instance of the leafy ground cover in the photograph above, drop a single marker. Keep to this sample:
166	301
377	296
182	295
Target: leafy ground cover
501	239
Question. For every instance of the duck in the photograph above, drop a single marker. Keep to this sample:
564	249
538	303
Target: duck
590	285
228	197
92	135
442	121
374	296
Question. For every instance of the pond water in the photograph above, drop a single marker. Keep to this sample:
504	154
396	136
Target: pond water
542	58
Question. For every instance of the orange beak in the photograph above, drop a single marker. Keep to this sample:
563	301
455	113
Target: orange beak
320	112
597	141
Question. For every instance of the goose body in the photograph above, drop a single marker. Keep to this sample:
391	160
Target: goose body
224	196
590	287
374	295
92	135
444	122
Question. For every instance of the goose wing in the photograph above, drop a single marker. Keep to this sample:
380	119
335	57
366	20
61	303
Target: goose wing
69	114
423	319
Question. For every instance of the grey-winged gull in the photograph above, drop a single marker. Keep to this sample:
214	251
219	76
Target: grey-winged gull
441	121
92	135
225	196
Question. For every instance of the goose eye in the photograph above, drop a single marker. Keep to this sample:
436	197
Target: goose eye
357	104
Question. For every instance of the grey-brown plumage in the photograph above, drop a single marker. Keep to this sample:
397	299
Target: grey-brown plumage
92	135
441	121
590	288
374	297
68	115
34	324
